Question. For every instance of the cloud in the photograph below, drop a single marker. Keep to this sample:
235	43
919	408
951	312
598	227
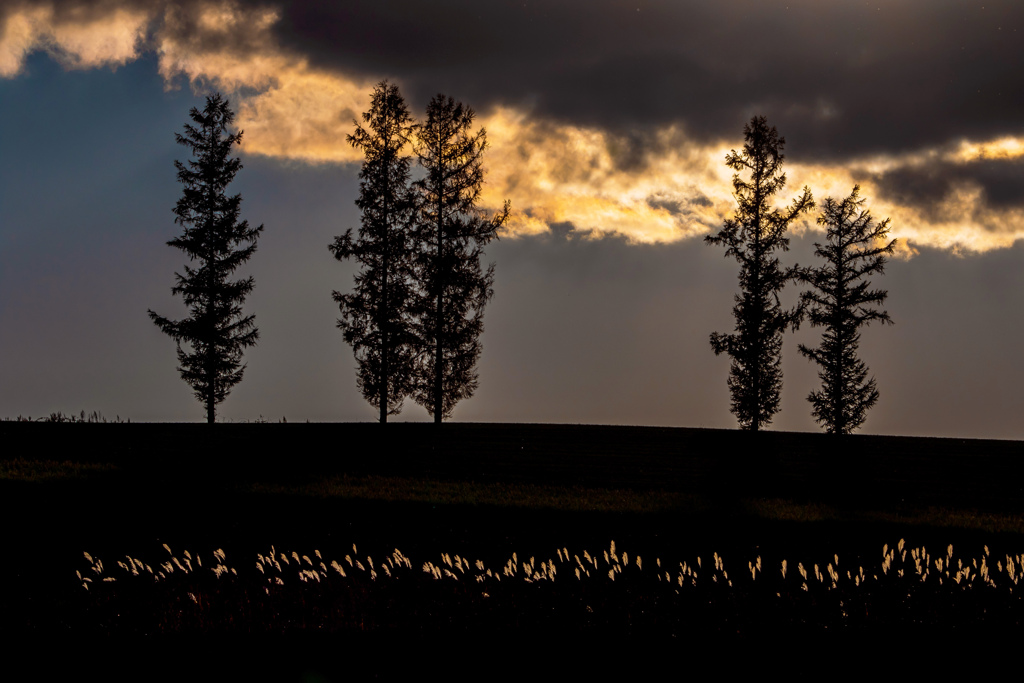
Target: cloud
625	137
286	108
592	179
854	79
79	37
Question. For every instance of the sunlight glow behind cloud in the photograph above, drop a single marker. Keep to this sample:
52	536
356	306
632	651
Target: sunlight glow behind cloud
79	40
669	187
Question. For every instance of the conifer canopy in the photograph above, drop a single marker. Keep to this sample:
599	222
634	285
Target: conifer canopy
839	300
215	332
376	318
753	237
451	232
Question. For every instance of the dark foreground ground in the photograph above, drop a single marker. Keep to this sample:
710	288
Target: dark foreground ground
484	492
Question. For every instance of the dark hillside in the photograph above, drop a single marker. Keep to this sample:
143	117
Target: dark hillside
858	470
487	492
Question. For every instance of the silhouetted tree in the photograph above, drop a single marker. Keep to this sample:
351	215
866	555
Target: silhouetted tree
377	317
841	302
216	331
451	232
752	238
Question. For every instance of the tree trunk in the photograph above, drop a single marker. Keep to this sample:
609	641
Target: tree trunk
438	351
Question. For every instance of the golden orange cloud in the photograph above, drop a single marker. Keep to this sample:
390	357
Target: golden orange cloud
77	39
674	188
968	224
297	112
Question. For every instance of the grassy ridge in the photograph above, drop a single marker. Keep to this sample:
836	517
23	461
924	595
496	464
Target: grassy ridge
483	492
858	472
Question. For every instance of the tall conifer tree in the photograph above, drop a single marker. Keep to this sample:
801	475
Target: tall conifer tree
451	232
215	331
376	317
841	302
752	238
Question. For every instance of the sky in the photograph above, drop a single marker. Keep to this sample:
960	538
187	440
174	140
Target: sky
608	124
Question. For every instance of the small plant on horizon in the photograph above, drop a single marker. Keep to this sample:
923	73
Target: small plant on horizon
93	417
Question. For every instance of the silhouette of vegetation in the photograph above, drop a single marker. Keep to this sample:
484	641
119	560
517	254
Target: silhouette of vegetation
451	232
752	238
613	590
59	416
216	331
841	302
377	317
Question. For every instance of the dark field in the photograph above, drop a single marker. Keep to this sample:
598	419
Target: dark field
483	494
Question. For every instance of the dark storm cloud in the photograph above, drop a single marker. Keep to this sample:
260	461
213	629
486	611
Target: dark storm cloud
926	187
837	79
